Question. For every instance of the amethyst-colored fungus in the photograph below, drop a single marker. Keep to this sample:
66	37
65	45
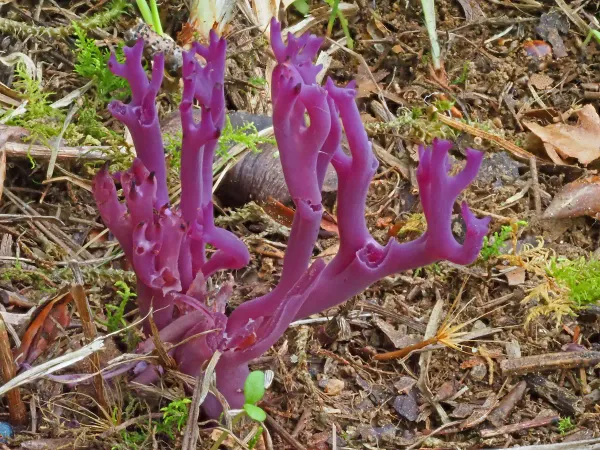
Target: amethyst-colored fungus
167	246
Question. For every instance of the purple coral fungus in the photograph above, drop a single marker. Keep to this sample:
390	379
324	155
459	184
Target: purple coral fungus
167	246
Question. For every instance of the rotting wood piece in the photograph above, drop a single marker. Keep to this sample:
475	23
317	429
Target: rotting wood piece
566	403
549	361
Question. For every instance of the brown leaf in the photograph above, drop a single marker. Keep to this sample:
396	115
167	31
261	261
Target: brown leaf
571	141
404	384
398	338
367	84
541	81
516	276
285	215
473	11
576	199
42	329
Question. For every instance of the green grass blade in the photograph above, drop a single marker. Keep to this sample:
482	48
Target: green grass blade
145	11
156	17
429	13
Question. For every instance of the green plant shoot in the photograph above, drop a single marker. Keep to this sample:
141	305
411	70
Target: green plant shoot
337	14
115	314
150	15
254	391
429	13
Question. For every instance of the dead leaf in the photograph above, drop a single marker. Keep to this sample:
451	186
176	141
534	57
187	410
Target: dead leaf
447	390
515	276
334	387
579	141
404	384
43	329
481	413
10	133
399	338
472	362
463	410
576	199
10	298
229	442
285	216
473	11
541	81
367	84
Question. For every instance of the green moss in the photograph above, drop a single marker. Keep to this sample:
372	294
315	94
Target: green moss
92	63
247	135
492	245
41	120
580	276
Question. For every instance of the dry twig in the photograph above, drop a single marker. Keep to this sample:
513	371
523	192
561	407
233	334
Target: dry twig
90	333
549	361
16	407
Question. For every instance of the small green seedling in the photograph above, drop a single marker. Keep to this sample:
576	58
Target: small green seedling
254	391
302	6
492	246
595	34
115	314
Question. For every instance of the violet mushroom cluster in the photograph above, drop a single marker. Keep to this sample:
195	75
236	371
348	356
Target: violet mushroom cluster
167	246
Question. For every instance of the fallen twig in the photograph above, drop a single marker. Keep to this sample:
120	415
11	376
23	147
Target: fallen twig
591	444
90	333
565	402
53	232
430	332
516	427
536	186
20	150
506	145
549	361
287	437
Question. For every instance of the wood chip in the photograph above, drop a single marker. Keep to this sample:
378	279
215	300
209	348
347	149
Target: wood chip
507	404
